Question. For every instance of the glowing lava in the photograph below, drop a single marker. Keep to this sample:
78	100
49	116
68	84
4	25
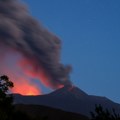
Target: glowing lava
26	89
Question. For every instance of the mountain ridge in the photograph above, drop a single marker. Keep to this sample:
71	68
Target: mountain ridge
71	99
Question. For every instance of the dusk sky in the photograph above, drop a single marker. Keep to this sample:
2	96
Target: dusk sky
90	35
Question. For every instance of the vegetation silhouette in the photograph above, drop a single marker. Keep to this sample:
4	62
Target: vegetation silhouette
6	100
104	114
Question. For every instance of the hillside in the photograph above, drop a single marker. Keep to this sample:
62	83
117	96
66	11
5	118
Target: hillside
47	113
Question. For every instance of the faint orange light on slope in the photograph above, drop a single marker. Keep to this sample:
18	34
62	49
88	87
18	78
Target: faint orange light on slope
24	87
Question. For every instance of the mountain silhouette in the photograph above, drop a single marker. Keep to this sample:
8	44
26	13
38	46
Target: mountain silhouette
71	99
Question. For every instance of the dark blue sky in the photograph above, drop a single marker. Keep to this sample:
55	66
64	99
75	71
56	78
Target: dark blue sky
90	34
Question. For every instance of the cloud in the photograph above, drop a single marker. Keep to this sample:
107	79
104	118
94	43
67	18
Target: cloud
39	48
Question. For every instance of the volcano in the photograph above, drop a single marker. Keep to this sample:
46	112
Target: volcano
71	99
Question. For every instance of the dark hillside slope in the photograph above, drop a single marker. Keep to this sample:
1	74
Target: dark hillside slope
47	113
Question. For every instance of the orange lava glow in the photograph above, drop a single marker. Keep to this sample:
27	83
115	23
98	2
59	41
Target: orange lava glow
26	89
23	87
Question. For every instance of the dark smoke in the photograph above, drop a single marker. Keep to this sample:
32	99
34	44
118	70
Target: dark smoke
22	33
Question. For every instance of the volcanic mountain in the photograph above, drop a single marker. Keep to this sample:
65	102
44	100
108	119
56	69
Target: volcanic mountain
71	99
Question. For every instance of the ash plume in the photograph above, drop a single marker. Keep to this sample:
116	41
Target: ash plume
40	49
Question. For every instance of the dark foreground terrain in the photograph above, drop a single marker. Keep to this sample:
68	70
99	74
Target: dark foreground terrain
39	112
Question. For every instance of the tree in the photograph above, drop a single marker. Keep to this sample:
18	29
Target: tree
6	99
101	114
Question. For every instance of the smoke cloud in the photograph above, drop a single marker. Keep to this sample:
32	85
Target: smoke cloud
38	50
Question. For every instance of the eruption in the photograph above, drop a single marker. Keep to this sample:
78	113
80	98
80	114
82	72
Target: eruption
29	50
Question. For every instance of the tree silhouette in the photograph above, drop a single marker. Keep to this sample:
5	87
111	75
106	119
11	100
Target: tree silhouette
6	100
101	114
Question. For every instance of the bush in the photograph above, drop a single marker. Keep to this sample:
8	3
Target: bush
101	114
